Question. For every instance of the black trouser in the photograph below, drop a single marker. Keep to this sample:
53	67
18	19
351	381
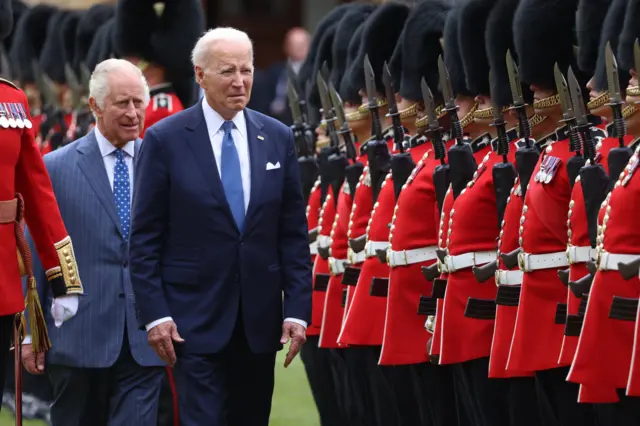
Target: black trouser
523	402
361	407
401	383
558	400
623	413
435	391
486	397
6	336
326	372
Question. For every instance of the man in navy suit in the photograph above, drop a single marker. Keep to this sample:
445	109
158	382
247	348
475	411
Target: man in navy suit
100	365
219	251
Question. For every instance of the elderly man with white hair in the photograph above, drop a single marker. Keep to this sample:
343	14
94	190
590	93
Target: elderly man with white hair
219	252
102	369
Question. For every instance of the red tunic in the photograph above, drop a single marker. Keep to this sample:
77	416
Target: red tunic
414	226
364	323
447	206
161	105
23	172
313	215
321	266
472	228
506	315
333	309
537	337
604	350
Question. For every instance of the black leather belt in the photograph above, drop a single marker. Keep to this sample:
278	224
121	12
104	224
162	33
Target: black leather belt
508	295
428	306
484	309
351	275
322	282
624	309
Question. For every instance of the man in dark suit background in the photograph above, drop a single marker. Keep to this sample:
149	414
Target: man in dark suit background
218	236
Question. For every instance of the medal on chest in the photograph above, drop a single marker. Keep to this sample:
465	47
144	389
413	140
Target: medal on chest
548	169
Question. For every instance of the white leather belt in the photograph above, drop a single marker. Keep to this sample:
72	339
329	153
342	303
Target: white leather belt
371	247
532	262
580	254
313	247
324	241
355	258
467	260
609	261
504	277
336	266
409	257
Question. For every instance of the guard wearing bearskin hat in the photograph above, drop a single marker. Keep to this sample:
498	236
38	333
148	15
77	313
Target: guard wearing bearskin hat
26	196
160	45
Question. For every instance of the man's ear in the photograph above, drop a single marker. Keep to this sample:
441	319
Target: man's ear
94	107
199	72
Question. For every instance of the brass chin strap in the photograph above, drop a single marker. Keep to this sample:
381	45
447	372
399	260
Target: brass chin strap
546	102
483	114
409	112
628	111
536	119
322	143
633	91
365	107
599	102
468	119
356	116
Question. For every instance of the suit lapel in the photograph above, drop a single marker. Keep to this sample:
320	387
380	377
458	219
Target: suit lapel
92	166
257	141
200	143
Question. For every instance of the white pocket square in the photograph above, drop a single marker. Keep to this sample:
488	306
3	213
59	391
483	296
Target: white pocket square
273	166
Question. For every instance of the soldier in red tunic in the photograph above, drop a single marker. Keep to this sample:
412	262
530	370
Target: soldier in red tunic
160	46
26	194
540	324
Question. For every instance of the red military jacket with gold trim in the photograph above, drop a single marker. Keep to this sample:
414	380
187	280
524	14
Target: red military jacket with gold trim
414	226
163	103
599	331
23	173
313	216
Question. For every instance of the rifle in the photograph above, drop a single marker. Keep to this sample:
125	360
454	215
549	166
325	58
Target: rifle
306	160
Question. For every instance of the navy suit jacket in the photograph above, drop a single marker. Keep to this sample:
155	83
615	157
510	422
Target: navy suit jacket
188	258
93	338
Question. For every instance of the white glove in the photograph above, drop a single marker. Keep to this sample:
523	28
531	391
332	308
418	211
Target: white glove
63	308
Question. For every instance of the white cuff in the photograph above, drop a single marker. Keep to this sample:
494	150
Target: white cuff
157	322
297	321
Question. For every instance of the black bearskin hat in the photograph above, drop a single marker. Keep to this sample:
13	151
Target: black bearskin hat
543	35
421	48
345	31
349	93
499	40
69	30
630	32
395	62
324	54
472	24
29	39
379	38
102	46
452	56
6	18
16	9
88	26
52	57
308	66
613	23
589	20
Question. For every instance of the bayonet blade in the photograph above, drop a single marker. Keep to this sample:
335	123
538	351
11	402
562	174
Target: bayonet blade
514	81
294	104
337	104
615	97
324	96
74	86
578	101
325	71
498	116
445	85
85	77
370	83
429	105
388	86
563	93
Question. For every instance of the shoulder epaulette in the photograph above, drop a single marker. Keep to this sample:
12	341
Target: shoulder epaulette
5	81
162	101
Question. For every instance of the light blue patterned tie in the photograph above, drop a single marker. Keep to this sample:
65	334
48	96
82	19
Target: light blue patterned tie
231	176
121	191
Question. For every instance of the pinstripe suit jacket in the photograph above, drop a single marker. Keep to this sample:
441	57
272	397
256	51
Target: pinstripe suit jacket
93	337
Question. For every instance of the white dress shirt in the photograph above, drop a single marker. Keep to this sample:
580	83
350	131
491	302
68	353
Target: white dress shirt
109	157
214	123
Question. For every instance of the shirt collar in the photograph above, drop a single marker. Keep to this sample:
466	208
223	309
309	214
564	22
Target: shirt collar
215	120
107	148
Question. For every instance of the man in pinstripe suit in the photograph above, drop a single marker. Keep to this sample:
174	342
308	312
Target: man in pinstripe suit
101	366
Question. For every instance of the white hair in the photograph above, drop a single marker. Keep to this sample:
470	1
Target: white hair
99	82
200	53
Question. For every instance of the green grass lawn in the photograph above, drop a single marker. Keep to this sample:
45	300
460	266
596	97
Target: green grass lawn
292	400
